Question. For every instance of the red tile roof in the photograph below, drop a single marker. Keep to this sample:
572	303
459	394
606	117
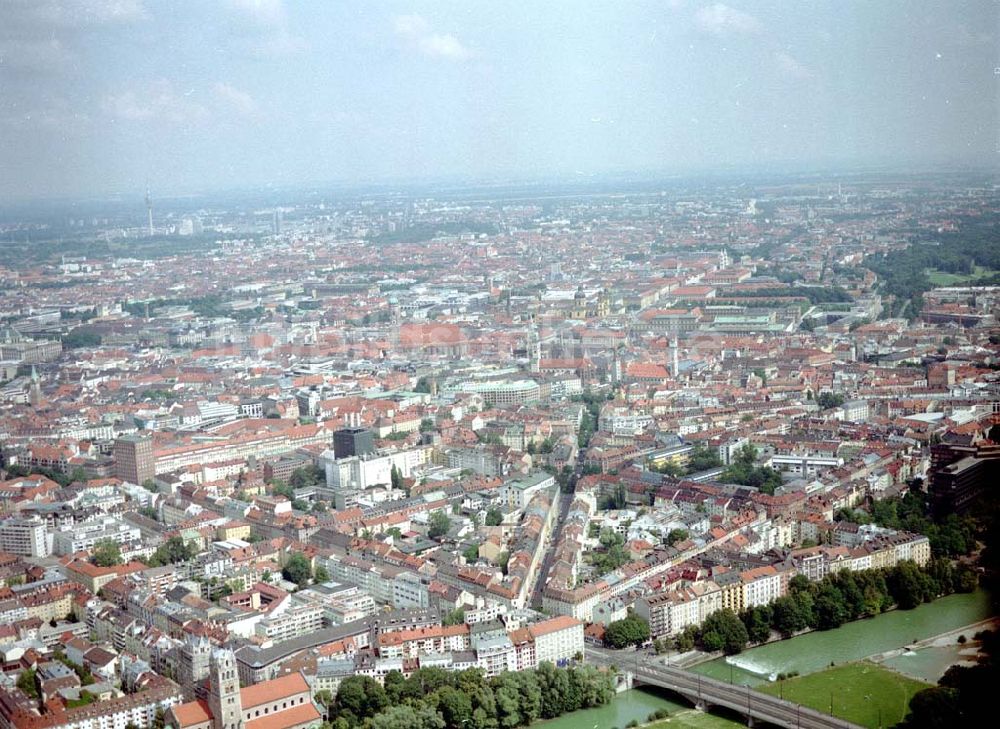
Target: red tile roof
300	715
268	691
561	622
192	713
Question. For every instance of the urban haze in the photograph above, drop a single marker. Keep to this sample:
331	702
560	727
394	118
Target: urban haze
471	365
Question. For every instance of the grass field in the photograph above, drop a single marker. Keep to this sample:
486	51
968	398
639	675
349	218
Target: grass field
943	278
695	720
860	691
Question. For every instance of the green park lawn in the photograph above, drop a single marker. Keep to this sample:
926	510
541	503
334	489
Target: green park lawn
943	278
859	691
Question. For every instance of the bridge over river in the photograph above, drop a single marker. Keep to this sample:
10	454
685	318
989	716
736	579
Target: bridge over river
705	692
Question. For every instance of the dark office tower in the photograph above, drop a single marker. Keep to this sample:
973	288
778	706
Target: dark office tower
353	442
960	474
133	456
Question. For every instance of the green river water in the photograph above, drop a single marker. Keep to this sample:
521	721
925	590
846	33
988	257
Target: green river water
806	654
851	642
626	706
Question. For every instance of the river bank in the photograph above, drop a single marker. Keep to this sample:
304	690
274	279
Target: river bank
929	659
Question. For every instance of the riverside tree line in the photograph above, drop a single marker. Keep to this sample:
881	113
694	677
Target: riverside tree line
829	603
433	698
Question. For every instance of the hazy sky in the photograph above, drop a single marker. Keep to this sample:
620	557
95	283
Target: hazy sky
96	96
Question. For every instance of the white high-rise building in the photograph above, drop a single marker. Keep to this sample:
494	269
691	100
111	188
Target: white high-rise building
25	536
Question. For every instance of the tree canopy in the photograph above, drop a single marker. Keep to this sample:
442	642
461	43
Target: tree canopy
703	458
297	569
743	470
724	631
847	595
676	535
396	478
630	630
439	524
952	536
106	553
310	475
829	400
432	698
172	551
614	554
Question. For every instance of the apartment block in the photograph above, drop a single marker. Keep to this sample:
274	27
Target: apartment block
25	536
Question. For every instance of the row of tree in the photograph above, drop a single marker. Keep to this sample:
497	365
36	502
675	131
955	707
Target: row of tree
845	596
432	698
815	294
63	479
81	337
210	306
829	603
592	402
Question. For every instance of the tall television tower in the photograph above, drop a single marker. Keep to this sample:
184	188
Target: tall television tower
149	210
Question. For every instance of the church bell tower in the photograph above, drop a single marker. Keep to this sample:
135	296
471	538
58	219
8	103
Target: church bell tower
224	691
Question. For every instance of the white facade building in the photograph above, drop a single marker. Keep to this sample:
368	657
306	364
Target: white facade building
363	472
293	622
557	639
25	537
84	535
517	492
761	586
